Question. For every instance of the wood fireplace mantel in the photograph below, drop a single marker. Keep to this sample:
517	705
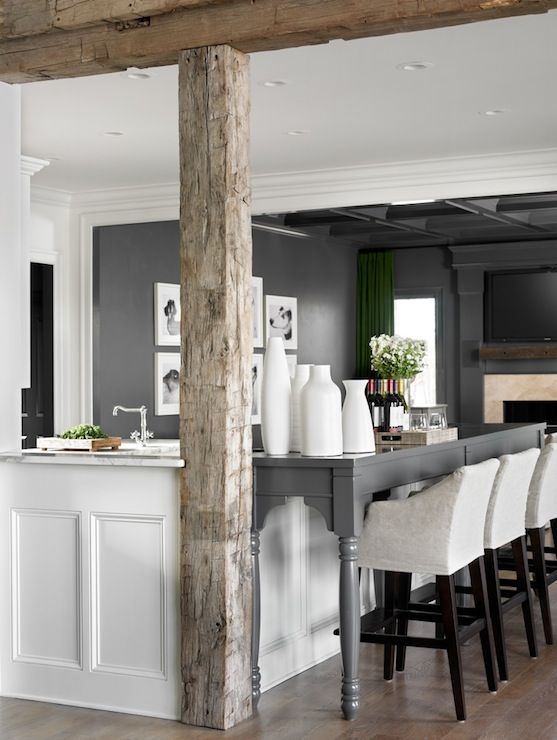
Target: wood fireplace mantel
524	351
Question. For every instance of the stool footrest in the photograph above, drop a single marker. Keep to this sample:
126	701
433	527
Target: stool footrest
512	599
404	640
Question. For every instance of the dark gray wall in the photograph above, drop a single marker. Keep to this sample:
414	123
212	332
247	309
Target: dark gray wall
459	274
428	271
322	277
470	265
129	259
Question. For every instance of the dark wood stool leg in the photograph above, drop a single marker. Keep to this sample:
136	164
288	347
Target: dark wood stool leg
439	633
494	596
523	584
553	524
404	588
479	589
447	598
391	580
537	538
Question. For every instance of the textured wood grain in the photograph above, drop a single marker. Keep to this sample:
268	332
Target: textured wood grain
30	17
248	25
508	351
215	403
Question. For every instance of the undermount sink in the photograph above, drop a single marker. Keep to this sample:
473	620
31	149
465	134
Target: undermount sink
152	447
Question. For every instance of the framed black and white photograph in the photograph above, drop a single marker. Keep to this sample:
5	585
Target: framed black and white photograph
256	375
167	383
281	319
292	361
257	304
167	314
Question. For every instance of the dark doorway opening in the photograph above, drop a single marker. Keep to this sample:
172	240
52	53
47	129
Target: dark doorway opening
37	402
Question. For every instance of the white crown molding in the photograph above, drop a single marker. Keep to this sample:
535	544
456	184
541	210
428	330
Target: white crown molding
482	175
31	165
135	198
50	197
494	174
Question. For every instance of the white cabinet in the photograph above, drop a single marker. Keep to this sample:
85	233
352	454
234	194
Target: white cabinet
93	586
89	587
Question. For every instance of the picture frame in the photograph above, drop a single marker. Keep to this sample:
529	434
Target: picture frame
167	314
256	376
257	307
292	361
167	383
281	319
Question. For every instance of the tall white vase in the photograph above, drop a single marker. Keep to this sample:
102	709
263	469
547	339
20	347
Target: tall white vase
321	414
275	399
357	427
300	379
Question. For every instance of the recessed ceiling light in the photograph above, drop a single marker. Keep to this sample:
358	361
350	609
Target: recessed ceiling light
133	73
298	132
113	133
412	202
274	83
494	112
414	66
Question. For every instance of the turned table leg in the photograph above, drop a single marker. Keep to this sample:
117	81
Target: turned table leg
349	606
256	620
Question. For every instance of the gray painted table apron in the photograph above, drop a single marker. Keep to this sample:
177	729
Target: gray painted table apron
341	488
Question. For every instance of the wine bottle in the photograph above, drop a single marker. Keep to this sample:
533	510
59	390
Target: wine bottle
378	406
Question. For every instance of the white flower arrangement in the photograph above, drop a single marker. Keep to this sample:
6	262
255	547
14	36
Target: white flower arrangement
397	357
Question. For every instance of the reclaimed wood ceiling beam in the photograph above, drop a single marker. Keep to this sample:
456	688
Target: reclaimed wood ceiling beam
101	37
32	17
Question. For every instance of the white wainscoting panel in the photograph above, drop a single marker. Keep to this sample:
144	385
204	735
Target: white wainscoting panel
128	595
283	576
46	587
299	592
89	586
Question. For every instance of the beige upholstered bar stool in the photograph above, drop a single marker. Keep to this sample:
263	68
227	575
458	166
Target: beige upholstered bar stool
541	509
504	525
439	532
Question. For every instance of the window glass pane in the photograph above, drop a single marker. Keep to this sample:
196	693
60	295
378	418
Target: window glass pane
415	318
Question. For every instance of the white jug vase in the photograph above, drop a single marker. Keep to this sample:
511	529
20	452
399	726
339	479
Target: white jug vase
321	414
357	427
275	399
300	379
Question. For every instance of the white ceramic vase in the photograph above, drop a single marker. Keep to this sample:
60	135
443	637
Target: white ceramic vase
300	379
275	399
321	414
357	427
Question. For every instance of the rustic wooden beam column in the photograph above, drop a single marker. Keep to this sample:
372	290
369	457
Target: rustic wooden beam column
215	404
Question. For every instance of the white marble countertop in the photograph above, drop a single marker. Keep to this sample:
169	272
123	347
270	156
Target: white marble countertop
157	454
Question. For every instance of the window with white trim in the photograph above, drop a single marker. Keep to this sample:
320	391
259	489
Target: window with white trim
416	317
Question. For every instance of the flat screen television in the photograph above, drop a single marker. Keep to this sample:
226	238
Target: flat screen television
521	306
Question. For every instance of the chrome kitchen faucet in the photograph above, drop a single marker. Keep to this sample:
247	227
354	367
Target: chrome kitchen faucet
140	437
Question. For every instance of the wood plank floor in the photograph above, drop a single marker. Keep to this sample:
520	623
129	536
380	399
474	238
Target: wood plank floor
417	705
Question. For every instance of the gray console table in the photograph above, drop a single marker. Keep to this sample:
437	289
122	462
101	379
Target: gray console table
341	488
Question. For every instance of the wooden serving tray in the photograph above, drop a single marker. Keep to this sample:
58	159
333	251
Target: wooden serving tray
416	438
83	445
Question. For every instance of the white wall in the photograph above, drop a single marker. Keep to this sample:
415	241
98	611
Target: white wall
10	273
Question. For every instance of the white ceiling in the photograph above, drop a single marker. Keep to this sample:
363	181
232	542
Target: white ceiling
358	107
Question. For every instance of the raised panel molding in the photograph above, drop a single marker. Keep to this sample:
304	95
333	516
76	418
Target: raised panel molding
285	540
46	588
128	595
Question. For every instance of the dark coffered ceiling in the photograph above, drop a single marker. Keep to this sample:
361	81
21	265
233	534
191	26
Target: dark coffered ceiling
491	220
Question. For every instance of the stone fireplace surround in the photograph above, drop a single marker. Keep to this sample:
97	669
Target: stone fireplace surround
499	388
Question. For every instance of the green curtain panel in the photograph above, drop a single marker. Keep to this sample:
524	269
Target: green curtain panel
375	308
